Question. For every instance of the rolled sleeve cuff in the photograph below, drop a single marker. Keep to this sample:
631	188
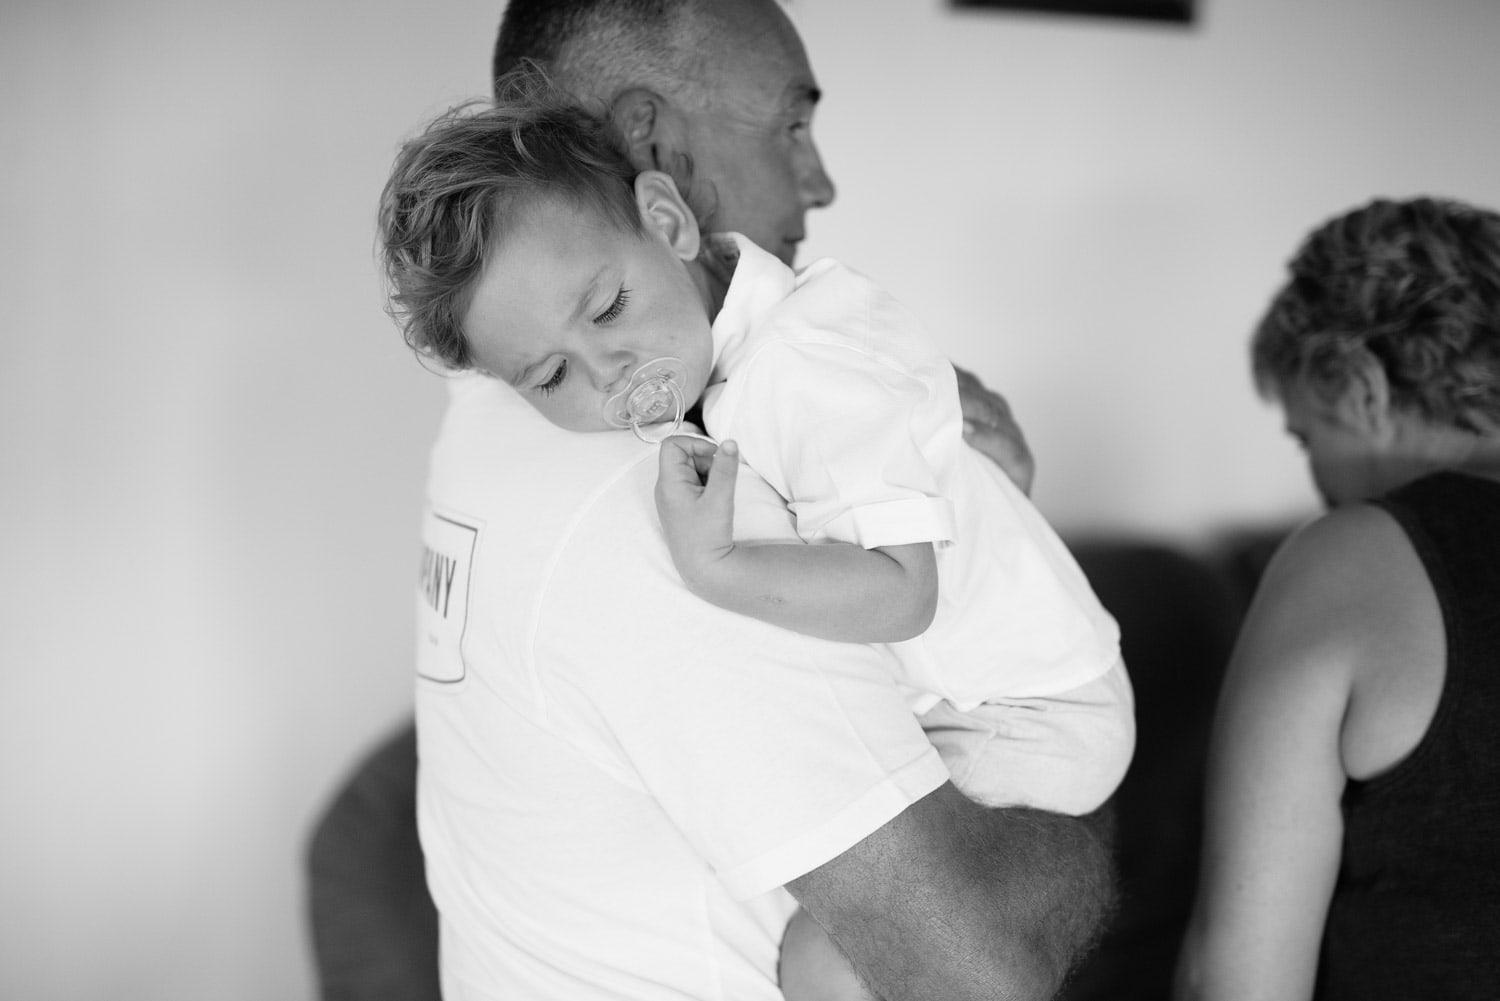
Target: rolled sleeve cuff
896	523
840	832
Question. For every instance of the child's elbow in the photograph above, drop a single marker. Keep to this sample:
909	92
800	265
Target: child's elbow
912	595
918	609
927	603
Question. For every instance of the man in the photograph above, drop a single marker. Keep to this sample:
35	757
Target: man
616	780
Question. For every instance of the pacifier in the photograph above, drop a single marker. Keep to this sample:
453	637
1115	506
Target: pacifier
653	398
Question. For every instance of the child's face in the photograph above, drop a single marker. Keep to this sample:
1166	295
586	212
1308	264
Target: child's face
570	305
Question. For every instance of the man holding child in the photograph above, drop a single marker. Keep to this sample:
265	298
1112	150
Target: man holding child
626	792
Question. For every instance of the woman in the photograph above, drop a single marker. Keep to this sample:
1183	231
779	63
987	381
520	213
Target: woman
1354	783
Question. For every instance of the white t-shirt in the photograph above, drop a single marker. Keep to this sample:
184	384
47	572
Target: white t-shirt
839	400
616	777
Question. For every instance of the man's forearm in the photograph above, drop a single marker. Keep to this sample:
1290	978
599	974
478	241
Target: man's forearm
1057	875
960	901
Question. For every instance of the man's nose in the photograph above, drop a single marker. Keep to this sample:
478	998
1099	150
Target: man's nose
817	186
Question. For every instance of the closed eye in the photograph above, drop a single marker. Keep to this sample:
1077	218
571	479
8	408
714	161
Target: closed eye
615	308
555	379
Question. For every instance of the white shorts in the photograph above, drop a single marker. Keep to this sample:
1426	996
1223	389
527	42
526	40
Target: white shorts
1066	753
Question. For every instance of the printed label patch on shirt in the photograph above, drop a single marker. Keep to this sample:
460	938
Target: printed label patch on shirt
448	546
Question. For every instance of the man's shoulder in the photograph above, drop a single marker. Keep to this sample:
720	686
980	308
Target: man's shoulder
499	459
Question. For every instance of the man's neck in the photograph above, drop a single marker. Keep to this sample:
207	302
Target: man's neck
713	270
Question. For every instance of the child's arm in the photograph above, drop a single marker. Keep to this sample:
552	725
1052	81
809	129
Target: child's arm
835	591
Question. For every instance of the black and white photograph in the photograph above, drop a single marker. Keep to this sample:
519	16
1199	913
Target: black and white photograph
750	500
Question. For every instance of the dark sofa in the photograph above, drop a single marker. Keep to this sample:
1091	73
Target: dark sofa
374	929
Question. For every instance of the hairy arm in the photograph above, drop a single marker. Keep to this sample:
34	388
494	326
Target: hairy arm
1274	829
835	591
955	900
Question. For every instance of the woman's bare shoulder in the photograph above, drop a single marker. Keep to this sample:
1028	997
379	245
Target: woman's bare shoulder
1355	551
1344	592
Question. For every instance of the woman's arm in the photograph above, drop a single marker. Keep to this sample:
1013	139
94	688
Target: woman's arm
1274	829
1337	673
833	591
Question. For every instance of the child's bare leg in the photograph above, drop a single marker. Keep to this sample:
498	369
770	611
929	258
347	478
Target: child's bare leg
812	968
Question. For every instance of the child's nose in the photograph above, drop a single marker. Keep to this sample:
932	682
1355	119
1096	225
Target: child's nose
612	370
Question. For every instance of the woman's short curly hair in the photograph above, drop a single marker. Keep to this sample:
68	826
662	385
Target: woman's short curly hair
455	187
1414	285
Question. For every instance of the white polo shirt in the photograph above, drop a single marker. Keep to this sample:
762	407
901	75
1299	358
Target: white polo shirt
840	401
617	777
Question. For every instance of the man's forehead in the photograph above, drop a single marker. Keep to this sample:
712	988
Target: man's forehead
756	92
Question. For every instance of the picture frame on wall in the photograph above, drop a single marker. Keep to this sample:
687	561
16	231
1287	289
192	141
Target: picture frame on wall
1179	11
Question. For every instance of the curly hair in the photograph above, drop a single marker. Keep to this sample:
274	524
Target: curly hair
1413	285
456	187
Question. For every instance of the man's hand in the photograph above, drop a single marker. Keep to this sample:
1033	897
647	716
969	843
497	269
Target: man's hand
990	427
695	501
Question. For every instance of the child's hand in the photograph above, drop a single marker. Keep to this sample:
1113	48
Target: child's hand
695	501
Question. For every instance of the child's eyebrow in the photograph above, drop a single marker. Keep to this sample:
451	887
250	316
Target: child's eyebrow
590	291
519	377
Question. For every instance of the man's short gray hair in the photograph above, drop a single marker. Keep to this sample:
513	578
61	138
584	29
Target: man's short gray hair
599	48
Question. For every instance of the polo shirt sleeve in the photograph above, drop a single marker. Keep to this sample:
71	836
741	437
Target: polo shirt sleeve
770	752
840	430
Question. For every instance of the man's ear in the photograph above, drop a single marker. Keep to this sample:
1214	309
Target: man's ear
1365	403
664	211
651	128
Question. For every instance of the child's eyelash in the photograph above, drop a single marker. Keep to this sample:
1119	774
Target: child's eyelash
615	308
556	378
561	372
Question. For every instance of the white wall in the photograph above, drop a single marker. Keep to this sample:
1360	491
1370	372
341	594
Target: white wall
212	441
1092	212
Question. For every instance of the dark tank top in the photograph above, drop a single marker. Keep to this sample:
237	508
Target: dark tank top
1416	912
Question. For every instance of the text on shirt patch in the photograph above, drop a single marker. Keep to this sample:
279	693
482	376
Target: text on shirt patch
443	579
437	579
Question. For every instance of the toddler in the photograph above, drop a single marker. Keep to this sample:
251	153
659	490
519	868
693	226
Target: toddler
519	241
